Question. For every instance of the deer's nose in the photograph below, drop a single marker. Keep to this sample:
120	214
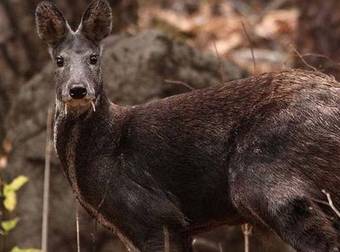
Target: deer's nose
78	92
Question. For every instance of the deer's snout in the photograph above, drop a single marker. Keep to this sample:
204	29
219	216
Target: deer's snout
78	91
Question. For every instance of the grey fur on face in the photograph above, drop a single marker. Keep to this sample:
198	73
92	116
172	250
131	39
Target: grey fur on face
76	54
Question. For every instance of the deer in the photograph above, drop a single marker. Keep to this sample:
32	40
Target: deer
260	150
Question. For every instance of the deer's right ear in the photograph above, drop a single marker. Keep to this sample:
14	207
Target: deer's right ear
50	22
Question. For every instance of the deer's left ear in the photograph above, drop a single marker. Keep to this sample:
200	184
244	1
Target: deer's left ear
96	23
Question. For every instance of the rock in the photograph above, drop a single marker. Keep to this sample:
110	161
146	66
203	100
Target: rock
156	58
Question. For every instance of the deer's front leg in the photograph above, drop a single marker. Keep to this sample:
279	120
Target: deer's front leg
148	217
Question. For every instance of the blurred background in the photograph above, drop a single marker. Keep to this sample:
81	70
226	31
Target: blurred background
157	48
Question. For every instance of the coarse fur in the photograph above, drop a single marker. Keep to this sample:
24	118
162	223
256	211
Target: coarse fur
257	150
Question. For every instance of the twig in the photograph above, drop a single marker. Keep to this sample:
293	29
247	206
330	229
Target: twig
166	239
220	62
250	45
247	231
319	55
206	244
303	60
179	83
77	225
320	201
220	248
330	202
47	171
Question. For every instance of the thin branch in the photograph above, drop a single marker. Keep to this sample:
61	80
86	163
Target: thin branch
166	239
320	201
206	244
179	83
250	45
319	55
47	171
330	202
303	60
77	225
220	248
247	231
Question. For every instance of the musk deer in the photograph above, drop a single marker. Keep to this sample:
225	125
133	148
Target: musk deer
257	150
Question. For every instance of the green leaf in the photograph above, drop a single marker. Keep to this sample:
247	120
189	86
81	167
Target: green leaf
17	183
9	225
9	190
10	201
17	249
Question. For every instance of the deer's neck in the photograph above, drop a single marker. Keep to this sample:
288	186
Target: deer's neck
88	148
81	140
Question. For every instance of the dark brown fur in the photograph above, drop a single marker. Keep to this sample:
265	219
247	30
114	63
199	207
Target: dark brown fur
257	150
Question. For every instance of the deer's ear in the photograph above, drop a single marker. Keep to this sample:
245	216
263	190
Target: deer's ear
50	22
96	23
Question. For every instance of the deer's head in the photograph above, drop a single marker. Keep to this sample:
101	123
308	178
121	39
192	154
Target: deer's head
76	54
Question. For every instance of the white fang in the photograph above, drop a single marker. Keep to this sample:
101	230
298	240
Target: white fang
93	106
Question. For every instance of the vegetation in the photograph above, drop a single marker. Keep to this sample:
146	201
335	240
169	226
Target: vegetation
9	202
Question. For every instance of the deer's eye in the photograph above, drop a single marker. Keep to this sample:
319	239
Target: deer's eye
93	59
60	61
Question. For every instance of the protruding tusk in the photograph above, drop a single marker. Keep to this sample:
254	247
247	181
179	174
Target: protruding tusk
93	106
65	108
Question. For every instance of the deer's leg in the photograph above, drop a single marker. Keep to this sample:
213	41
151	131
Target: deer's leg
305	226
293	216
146	215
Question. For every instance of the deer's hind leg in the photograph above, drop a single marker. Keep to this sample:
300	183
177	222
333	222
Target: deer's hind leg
293	215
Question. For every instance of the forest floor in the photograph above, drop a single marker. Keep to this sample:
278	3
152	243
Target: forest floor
241	32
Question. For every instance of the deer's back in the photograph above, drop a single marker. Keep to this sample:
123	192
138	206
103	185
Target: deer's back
187	142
